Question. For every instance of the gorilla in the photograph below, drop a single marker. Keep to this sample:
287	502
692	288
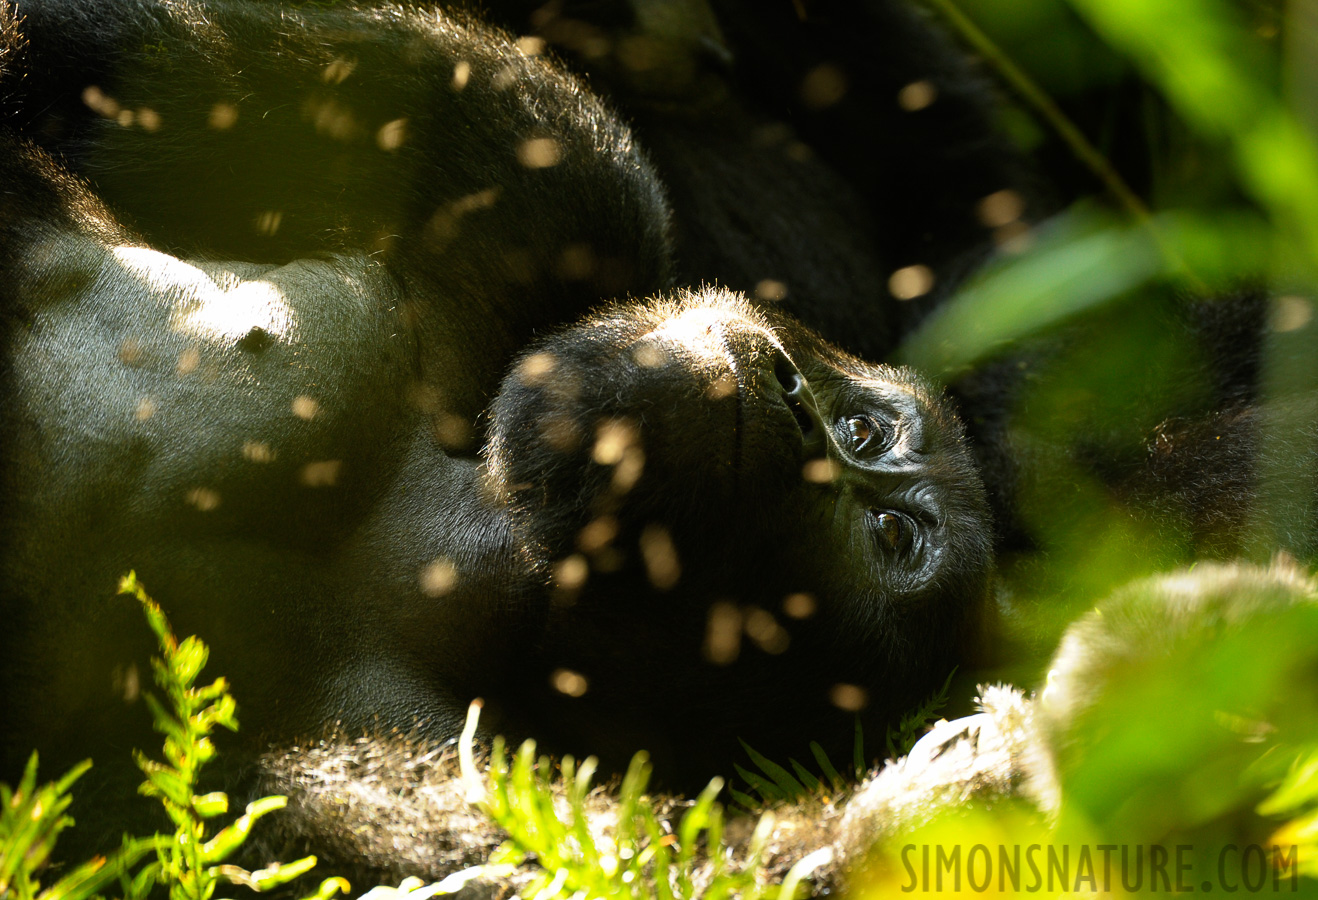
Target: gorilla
263	269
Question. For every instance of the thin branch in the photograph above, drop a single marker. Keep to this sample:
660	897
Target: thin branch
1089	155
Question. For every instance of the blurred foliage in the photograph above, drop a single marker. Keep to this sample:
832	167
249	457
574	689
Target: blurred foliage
1194	741
31	819
1208	188
1202	113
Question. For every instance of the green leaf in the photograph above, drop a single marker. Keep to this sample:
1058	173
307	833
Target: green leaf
744	800
1079	263
1299	788
787	784
329	887
155	617
223	712
210	805
187	661
164	721
808	778
164	782
229	839
697	818
282	873
766	788
86	880
826	766
65	781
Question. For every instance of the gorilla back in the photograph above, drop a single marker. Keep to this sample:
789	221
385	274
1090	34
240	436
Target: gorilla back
267	420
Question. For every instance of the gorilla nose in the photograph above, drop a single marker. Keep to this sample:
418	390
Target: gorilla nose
801	402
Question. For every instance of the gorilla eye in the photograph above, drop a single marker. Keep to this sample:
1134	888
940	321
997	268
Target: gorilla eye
864	433
889	528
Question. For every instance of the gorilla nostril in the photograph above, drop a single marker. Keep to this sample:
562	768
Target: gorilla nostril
788	378
801	402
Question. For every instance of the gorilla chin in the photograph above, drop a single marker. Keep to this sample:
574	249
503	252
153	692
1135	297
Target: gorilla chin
730	511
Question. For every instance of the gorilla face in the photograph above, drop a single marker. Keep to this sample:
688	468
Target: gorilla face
728	508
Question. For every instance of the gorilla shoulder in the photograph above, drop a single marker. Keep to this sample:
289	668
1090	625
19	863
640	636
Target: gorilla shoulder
426	139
